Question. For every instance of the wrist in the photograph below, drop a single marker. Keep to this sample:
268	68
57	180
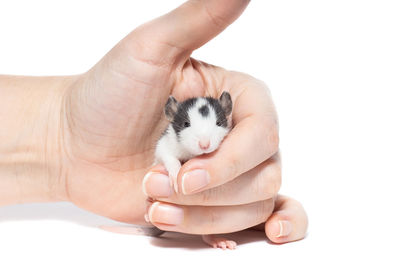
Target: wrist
31	146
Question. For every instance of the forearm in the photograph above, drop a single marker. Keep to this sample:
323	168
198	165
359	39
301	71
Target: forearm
30	142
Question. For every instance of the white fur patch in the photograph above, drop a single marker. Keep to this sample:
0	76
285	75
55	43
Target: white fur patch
170	150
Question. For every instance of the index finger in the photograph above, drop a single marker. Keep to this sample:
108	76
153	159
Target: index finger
253	139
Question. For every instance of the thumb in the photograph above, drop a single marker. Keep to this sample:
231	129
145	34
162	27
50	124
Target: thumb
186	28
288	222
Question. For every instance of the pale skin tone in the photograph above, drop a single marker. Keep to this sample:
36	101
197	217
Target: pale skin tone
89	139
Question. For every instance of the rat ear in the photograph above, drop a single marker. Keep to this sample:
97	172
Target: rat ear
226	103
171	107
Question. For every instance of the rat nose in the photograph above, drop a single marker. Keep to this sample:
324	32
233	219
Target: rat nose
204	144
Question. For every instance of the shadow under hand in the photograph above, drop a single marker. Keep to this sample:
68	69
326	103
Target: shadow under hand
193	242
63	211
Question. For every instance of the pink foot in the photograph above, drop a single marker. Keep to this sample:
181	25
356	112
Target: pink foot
219	242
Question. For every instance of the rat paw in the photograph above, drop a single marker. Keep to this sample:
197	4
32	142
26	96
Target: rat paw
219	242
173	175
173	167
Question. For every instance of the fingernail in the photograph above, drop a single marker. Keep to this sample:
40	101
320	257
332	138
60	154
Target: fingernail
156	185
165	214
195	180
285	228
146	218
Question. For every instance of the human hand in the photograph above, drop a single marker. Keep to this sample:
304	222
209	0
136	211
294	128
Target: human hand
113	116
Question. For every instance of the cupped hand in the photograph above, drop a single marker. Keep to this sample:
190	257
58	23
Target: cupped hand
113	117
113	114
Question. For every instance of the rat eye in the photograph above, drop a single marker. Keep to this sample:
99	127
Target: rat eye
186	124
219	123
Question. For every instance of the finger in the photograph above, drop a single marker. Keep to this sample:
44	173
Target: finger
260	183
288	222
208	220
253	140
157	183
187	27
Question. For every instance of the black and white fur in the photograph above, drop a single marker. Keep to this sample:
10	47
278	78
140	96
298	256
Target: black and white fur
197	126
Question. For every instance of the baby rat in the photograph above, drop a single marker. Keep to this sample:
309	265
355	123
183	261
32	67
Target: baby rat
197	126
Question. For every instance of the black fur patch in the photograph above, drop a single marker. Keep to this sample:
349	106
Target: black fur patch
182	116
204	110
221	118
226	103
170	108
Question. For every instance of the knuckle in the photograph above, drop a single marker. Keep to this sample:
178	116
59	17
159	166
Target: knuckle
269	137
214	218
264	210
231	168
218	20
275	180
212	221
206	197
269	181
273	139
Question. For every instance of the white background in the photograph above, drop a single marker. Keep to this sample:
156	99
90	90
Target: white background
334	70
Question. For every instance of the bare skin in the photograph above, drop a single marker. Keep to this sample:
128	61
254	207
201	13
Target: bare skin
89	138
